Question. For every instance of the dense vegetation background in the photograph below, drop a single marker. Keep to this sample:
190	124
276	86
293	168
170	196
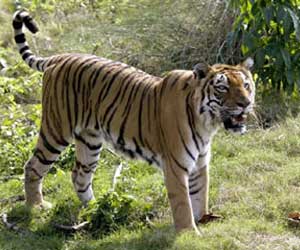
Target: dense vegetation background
255	179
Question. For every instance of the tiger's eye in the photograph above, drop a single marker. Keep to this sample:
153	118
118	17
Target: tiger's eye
247	85
222	88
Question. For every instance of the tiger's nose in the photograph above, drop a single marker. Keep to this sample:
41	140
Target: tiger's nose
244	102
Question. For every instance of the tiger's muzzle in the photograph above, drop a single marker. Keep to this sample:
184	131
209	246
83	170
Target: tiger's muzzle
236	123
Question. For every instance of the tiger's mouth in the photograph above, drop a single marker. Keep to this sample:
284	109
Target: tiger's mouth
236	123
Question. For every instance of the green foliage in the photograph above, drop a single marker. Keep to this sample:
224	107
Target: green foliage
270	32
126	205
113	210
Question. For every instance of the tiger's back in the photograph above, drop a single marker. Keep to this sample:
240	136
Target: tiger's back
108	99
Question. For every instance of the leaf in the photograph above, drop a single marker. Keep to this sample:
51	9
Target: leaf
296	23
290	77
268	13
259	58
286	57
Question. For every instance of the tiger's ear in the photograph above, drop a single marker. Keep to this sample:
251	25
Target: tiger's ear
248	63
200	70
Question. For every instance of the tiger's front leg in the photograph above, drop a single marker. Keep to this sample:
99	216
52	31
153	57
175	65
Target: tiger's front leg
176	179
199	187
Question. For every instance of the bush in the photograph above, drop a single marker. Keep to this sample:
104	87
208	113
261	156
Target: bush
270	32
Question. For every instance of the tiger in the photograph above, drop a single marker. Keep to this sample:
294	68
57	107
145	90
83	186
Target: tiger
167	121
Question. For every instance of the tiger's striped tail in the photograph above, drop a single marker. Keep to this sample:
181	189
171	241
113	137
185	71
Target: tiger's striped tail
22	17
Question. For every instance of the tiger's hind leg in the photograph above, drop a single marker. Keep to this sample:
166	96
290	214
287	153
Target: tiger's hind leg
88	147
45	153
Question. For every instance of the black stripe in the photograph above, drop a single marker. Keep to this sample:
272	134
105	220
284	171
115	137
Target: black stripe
84	190
67	84
23	49
126	112
36	173
134	92
137	148
164	85
86	169
86	65
110	119
173	83
17	24
41	157
38	64
149	113
75	93
178	164
186	85
192	185
66	80
184	144
202	155
31	61
145	90
20	38
48	145
132	77
43	161
88	118
105	84
57	127
189	114
114	101
26	55
93	163
195	191
192	179
90	146
99	71
112	81
30	24
213	101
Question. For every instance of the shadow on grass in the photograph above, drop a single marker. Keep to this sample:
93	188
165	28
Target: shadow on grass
160	237
31	233
37	231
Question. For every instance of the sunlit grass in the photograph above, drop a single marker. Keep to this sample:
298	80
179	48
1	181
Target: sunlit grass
255	183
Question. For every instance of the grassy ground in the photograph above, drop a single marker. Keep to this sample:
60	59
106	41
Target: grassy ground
255	183
255	178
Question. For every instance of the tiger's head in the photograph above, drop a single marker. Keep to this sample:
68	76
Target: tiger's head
230	92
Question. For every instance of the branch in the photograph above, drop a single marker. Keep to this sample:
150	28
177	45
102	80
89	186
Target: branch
112	152
116	175
13	199
73	228
11	226
13	177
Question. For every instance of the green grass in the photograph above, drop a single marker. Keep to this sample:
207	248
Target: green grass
255	183
255	178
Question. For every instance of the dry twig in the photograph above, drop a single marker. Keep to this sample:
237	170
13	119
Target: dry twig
11	226
73	228
13	199
116	175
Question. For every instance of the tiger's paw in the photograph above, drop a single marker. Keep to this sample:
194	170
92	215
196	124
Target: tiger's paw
206	218
45	205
